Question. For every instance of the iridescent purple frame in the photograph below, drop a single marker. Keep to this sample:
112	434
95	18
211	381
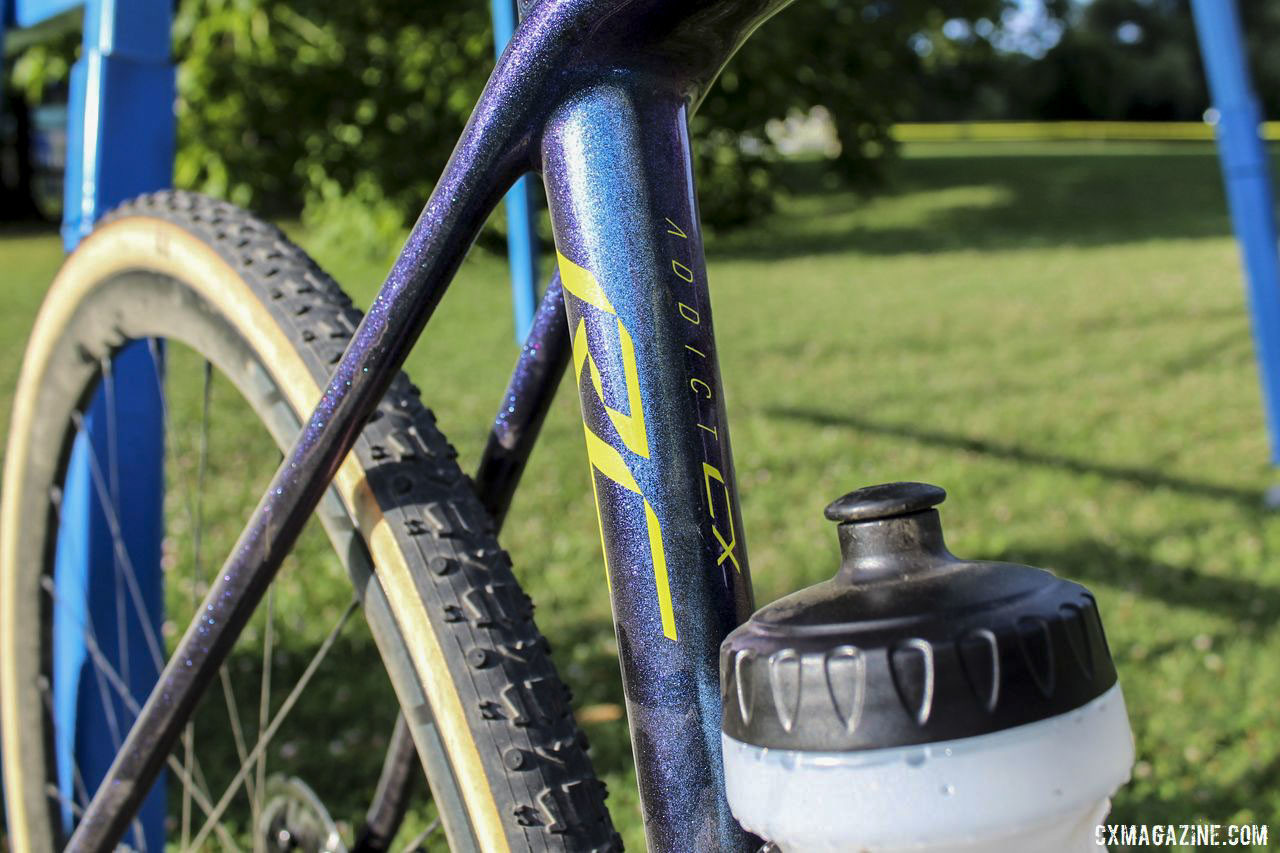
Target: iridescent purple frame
595	95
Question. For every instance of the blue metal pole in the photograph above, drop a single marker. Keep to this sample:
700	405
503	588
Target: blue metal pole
120	142
1246	174
120	452
123	112
522	238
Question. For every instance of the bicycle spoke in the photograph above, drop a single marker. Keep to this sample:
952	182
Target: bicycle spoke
194	498
202	469
113	488
119	581
197	535
53	792
105	672
108	706
264	737
237	728
194	505
199	790
188	767
188	749
77	778
100	661
422	837
77	782
194	785
264	702
121	552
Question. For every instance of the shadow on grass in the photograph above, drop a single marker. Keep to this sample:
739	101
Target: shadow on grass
1019	200
1144	477
1254	606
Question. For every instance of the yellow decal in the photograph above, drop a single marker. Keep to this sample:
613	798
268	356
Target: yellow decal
582	284
660	572
710	472
630	425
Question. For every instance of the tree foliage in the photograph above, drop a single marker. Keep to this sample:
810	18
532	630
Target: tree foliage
288	100
1133	60
1121	59
283	100
861	59
355	106
351	109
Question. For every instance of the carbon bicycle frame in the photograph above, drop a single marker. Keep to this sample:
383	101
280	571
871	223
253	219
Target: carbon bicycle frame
596	96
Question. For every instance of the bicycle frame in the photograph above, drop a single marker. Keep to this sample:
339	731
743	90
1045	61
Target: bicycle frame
595	95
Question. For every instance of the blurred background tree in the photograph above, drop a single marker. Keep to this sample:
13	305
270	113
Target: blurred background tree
349	110
346	112
1119	60
859	60
355	107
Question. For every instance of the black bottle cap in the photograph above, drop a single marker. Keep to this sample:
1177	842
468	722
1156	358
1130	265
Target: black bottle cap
908	644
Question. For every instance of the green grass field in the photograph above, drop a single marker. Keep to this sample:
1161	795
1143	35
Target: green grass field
1056	333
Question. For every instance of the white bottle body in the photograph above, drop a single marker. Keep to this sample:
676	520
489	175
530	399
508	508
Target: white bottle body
1043	786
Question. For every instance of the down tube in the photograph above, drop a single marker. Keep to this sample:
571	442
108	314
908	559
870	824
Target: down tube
619	181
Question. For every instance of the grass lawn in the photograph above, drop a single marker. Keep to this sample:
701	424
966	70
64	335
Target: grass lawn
1055	333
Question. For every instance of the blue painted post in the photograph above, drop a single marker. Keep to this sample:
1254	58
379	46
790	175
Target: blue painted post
120	116
522	238
122	440
120	142
1246	173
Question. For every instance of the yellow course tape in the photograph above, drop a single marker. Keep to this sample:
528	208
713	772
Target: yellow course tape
1064	131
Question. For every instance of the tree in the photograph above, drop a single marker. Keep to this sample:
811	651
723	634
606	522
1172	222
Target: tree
285	103
1121	59
282	100
864	60
17	173
1117	59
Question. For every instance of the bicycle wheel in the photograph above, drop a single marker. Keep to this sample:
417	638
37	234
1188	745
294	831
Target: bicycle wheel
259	326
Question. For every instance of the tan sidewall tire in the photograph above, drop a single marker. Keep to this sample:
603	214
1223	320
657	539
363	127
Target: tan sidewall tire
166	249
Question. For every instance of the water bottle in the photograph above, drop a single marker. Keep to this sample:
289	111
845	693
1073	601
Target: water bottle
919	702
